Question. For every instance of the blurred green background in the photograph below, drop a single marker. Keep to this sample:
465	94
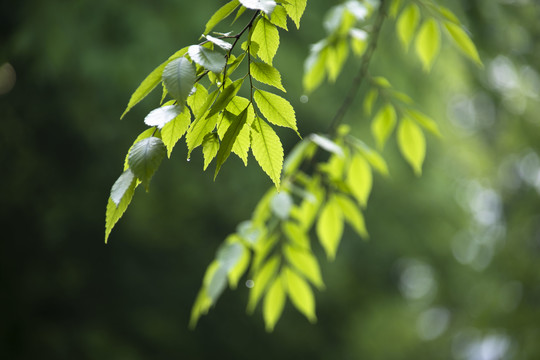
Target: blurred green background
452	269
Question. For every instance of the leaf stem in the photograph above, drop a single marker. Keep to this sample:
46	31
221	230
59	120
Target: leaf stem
362	72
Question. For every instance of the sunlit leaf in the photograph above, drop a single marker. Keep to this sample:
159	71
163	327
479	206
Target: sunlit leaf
266	6
330	227
295	9
314	69
145	134
326	144
407	23
300	294
267	149
209	59
279	17
210	146
276	109
230	137
121	186
360	179
221	43
225	97
175	129
267	36
145	157
428	42
305	262
273	305
261	280
296	235
412	144
425	121
179	78
383	124
352	215
162	115
358	41
114	212
463	41
266	74
369	101
337	54
281	205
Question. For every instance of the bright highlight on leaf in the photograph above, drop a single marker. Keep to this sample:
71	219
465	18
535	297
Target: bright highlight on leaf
266	6
161	116
179	77
121	186
209	59
144	158
428	43
412	144
115	211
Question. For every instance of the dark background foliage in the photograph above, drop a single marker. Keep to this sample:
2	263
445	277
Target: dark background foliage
450	271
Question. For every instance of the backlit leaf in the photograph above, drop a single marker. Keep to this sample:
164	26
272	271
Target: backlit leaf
296	235
276	109
221	14
144	158
305	262
229	139
383	124
337	54
266	74
463	41
330	227
412	144
267	36
261	281
425	121
225	97
352	215
360	179
145	134
179	78
407	23
369	101
295	9
428	43
243	140
211	60
162	115
300	294
175	129
210	146
279	17
114	212
267	149
266	6
273	305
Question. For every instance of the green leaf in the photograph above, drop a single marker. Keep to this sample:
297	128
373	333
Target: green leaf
412	144
449	15
230	137
114	212
221	14
243	140
225	97
428	43
330	227
266	6
209	59
200	307
150	82
144	158
266	74
369	101
301	151
358	41
121	186
210	148
175	129
261	280
337	55
296	235
374	158
407	23
162	115
425	121
201	125
315	67
179	78
273	305
295	10
300	294
267	149
394	8
145	134
305	263
463	41
360	179
218	283
276	109
352	215
279	17
267	36
383	124
236	272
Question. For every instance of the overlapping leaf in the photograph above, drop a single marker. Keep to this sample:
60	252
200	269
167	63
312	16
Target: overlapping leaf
267	149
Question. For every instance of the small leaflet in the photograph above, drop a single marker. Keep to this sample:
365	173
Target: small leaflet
428	43
412	144
273	305
407	23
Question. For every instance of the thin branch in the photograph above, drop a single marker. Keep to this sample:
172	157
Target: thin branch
362	72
